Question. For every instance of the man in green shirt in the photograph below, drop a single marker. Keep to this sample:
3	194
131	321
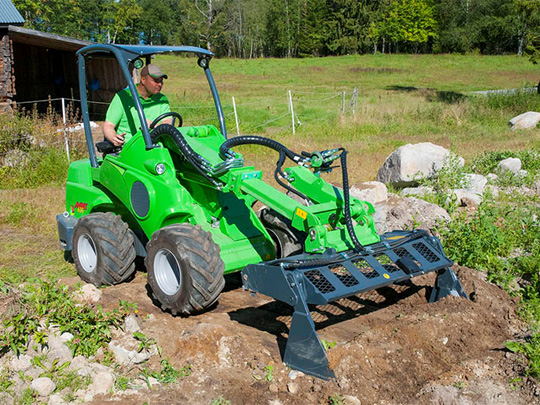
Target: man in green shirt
122	120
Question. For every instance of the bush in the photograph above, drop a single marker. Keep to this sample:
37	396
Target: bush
42	166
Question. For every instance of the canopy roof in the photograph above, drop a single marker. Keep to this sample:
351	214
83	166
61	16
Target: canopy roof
128	53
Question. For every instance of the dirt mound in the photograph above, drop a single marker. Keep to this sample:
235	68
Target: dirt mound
391	347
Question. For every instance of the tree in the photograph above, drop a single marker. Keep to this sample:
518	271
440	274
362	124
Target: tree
529	28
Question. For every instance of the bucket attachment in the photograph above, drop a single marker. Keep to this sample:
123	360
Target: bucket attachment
321	279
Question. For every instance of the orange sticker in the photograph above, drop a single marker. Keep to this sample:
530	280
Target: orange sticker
301	213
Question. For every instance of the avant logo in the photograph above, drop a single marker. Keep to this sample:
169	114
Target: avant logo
80	207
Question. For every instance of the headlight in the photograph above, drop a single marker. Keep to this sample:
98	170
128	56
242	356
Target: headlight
160	168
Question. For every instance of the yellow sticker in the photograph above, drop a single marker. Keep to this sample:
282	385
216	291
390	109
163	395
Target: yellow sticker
301	213
386	276
396	237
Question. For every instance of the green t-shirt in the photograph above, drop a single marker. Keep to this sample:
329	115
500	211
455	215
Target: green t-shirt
123	114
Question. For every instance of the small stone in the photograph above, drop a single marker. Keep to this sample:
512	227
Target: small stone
444	340
102	383
58	350
293	387
77	363
44	386
293	374
21	363
66	337
131	324
273	388
352	400
55	399
88	293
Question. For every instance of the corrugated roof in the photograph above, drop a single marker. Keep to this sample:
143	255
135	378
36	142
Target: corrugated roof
9	14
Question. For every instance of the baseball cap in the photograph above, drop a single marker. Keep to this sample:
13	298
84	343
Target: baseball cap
154	71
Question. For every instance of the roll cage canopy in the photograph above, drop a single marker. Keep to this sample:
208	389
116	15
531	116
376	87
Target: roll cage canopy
129	54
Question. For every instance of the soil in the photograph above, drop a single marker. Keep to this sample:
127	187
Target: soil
391	347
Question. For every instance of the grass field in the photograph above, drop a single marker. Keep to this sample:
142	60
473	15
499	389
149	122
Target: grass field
401	99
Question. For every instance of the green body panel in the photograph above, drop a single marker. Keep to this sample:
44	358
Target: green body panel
127	183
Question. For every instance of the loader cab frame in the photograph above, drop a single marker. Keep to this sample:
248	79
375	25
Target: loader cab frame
131	56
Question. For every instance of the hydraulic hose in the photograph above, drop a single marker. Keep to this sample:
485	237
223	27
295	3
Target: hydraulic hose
191	156
257	140
347	208
225	152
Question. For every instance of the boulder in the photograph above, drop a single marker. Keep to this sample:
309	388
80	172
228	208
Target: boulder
526	120
465	196
475	182
406	213
370	191
412	162
511	164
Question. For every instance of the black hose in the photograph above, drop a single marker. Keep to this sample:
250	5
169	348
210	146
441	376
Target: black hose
257	140
191	156
270	143
347	208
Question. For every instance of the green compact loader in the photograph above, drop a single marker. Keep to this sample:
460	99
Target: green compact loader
182	198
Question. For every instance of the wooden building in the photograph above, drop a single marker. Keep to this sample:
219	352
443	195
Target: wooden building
36	66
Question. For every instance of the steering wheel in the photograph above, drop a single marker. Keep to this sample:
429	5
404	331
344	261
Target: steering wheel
165	115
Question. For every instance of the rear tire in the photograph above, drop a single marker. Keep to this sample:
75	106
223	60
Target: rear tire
185	271
103	249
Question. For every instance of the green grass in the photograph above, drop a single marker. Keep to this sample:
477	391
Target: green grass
402	99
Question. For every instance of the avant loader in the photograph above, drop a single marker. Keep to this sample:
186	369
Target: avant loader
182	198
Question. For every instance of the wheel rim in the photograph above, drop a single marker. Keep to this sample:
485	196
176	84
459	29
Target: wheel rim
86	251
167	272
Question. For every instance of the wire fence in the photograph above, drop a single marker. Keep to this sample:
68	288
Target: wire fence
293	109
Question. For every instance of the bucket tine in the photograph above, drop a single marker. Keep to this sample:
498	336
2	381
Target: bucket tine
446	284
304	350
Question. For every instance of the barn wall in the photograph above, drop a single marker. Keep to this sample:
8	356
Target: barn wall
44	73
7	80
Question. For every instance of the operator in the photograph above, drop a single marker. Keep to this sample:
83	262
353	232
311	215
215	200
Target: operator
122	120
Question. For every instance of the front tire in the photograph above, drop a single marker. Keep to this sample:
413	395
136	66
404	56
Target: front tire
185	271
103	249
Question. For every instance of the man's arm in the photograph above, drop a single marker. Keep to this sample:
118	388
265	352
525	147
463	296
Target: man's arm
110	134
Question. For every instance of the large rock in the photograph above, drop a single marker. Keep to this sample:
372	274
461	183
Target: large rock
475	182
510	165
407	213
526	120
412	162
370	191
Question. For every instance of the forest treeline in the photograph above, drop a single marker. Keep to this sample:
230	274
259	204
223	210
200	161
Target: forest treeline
296	28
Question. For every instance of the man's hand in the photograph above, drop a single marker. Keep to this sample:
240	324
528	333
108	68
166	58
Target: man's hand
110	134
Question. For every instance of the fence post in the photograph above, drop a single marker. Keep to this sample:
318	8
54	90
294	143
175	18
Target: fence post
343	102
292	111
236	117
354	100
64	121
